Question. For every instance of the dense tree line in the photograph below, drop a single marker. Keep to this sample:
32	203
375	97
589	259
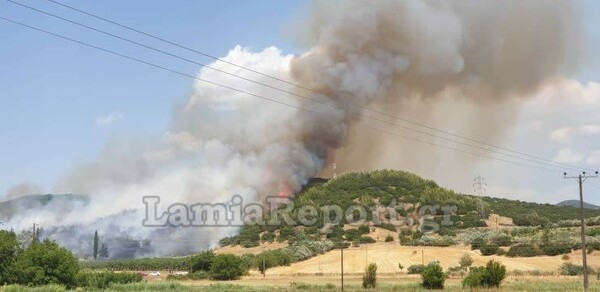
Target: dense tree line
141	264
534	214
40	263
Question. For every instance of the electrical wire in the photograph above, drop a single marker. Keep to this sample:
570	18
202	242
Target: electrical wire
239	90
272	87
532	158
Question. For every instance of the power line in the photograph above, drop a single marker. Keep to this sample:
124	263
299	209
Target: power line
532	158
276	88
461	150
249	93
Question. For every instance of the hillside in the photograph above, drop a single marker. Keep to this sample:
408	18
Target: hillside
406	193
33	203
575	203
524	236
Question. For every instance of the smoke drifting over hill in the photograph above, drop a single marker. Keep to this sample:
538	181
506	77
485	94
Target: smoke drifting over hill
410	57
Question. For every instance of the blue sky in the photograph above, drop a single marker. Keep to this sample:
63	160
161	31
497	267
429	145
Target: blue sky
54	91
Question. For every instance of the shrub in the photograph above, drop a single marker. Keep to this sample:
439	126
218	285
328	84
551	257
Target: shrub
475	278
286	232
593	232
465	261
264	261
366	239
199	275
364	229
495	273
522	250
491	276
433	276
416	269
388	226
565	257
202	261
489	249
353	234
370	276
45	263
477	243
102	280
556	249
389	238
227	267
268	236
501	239
569	269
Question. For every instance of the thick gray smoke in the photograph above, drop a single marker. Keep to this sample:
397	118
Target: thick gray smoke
413	57
443	63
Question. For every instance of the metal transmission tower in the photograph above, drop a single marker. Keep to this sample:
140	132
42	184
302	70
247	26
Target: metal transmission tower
479	188
581	179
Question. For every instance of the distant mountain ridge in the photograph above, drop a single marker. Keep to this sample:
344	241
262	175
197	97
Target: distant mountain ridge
575	203
26	203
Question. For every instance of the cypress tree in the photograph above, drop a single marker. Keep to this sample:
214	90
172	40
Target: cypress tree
96	244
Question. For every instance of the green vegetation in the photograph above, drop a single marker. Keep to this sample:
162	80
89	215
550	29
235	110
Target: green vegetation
489	277
8	251
569	269
415	269
405	192
370	276
433	276
465	261
534	214
102	280
96	246
364	189
489	249
227	267
142	264
202	261
43	263
545	284
522	250
298	251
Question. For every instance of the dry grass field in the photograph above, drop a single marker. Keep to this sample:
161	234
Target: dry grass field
388	255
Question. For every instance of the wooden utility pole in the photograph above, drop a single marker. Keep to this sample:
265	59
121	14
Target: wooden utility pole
581	179
342	264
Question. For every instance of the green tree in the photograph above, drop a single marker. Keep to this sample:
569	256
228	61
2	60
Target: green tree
370	276
45	263
489	277
202	261
433	276
264	261
465	261
95	252
495	273
103	252
227	267
8	250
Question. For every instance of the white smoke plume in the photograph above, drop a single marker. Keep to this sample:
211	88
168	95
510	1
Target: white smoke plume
22	189
414	57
